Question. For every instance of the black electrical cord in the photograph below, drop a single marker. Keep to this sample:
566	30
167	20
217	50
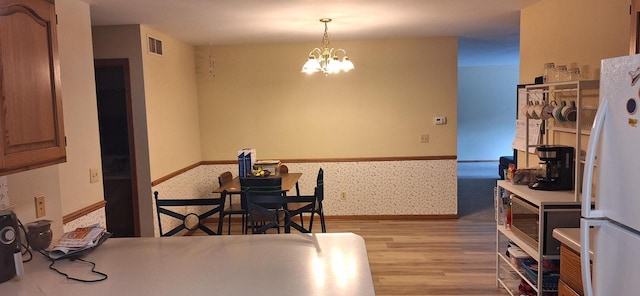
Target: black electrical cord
26	247
103	277
28	251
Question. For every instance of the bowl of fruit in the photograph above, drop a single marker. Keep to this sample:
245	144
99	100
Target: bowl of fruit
259	172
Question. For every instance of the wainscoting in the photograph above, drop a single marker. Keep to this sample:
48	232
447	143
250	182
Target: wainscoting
370	188
93	214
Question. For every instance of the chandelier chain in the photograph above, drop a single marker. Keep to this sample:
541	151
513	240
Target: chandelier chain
212	60
325	37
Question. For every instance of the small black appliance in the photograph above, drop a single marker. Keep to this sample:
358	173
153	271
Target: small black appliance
557	168
9	246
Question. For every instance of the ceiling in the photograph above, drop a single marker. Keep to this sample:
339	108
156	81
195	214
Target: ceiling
484	26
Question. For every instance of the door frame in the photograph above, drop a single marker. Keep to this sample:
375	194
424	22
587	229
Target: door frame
124	63
634	33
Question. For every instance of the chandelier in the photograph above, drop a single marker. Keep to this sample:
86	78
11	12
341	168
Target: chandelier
325	59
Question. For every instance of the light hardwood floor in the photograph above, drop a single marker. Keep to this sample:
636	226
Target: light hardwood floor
425	257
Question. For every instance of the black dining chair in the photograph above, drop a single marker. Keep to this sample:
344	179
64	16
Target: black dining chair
190	221
232	208
318	194
266	205
256	192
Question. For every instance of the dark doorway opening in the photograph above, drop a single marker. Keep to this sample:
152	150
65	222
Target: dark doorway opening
117	146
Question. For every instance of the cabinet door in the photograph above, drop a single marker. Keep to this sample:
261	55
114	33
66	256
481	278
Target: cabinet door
564	290
570	271
31	125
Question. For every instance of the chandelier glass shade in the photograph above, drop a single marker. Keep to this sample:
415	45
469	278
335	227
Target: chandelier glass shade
325	59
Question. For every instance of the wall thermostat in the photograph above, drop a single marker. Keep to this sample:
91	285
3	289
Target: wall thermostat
440	120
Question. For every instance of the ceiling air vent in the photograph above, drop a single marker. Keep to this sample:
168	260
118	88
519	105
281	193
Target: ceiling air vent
155	45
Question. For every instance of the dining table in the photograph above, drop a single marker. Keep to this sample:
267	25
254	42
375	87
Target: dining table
271	264
289	181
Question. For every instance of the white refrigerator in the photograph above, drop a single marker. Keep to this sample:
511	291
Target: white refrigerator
613	154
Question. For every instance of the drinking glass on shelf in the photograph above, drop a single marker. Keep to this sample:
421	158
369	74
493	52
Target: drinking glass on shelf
549	72
561	73
573	74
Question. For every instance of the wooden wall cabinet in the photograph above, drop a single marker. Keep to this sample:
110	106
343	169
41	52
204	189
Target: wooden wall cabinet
31	123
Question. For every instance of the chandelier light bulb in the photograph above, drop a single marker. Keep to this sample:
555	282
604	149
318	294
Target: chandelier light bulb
311	66
347	65
334	65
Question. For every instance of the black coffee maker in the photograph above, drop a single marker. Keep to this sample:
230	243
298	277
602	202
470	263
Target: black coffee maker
557	168
10	256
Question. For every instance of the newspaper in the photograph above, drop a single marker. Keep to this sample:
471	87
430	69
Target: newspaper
80	239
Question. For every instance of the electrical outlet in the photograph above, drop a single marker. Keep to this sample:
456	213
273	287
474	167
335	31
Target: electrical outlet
94	175
424	138
440	120
41	209
343	196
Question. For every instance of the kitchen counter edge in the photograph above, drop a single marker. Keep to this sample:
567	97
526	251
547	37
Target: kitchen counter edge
571	238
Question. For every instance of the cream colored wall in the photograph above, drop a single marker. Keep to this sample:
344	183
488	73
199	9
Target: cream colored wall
572	32
258	98
172	105
79	107
23	187
66	186
580	32
165	105
110	42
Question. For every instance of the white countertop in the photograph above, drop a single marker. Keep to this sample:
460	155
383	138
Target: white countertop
276	264
571	238
540	197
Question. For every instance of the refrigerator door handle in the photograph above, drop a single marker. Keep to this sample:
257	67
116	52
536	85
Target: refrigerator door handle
585	255
590	159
